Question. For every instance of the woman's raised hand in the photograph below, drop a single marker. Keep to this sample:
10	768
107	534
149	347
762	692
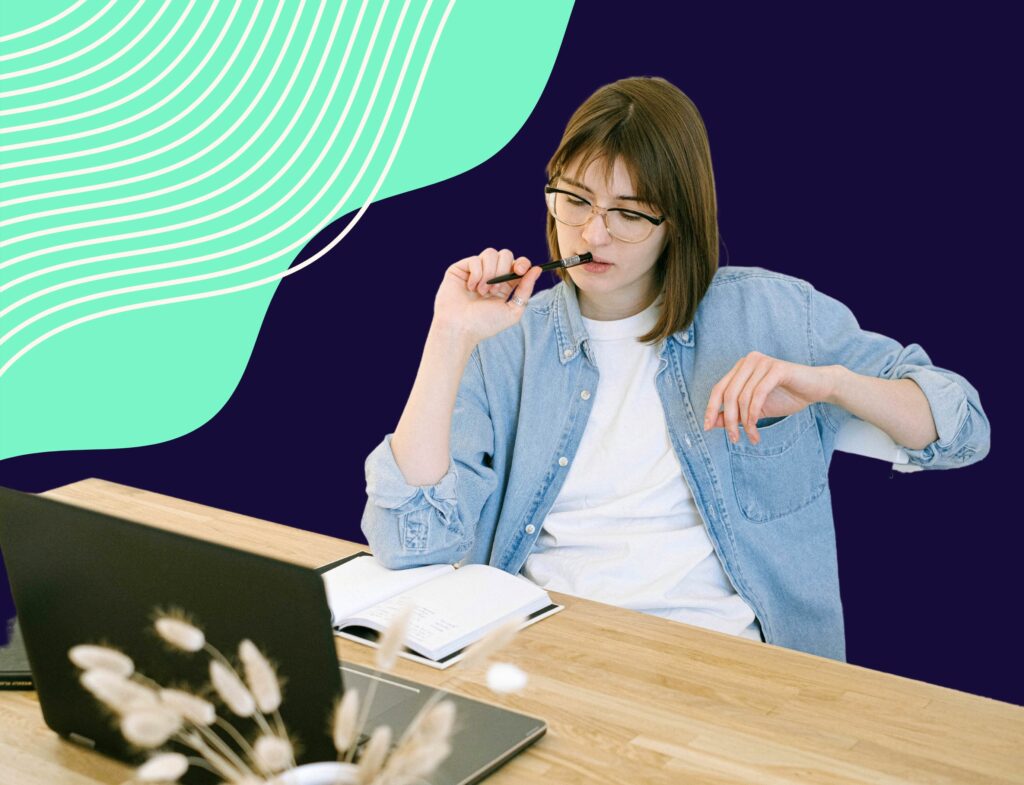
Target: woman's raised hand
762	386
465	302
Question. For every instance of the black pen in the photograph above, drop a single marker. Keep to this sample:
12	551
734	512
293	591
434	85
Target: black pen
570	261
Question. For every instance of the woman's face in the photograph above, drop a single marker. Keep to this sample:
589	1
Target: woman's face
621	282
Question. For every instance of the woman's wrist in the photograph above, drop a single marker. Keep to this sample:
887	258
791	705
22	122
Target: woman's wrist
838	378
453	337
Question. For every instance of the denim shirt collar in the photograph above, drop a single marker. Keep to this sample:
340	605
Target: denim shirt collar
570	332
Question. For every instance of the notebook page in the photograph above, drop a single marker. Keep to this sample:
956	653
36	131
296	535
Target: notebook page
359	583
459	608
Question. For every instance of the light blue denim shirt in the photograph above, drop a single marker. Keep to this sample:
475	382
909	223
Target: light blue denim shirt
523	405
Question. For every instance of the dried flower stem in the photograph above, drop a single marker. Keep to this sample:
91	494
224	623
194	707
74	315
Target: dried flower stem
375	754
389	645
425	744
434	699
225	749
257	715
202	763
239	739
279	727
222	767
364	714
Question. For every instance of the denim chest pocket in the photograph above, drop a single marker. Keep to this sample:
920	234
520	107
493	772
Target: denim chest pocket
781	474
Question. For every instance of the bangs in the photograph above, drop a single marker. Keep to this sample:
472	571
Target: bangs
606	140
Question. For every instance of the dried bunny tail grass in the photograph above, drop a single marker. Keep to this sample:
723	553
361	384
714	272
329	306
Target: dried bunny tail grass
178	631
273	753
231	689
493	642
345	727
426	744
374	754
436	724
116	692
504	677
164	767
189	707
217	762
101	658
261	677
149	727
393	638
413	766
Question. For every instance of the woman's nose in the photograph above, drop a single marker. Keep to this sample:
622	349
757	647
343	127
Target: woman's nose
595	230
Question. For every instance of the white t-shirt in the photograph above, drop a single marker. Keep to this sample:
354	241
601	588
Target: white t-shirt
625	529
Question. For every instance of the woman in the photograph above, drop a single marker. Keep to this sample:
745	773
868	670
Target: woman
652	432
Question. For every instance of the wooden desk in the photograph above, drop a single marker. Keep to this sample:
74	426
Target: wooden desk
629	698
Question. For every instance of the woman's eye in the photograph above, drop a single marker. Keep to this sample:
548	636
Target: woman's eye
576	202
630	216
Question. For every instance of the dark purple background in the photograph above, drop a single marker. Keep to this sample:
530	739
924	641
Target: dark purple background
874	155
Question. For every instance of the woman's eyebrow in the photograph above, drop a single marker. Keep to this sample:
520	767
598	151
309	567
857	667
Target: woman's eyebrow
581	186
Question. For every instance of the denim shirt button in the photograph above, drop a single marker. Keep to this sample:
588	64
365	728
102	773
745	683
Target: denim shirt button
585	395
567	353
563	461
530	528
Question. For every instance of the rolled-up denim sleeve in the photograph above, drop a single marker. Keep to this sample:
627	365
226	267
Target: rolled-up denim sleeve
409	525
960	422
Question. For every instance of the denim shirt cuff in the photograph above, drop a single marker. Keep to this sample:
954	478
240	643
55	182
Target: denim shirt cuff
948	403
386	484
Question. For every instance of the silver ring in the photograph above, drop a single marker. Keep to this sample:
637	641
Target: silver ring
518	300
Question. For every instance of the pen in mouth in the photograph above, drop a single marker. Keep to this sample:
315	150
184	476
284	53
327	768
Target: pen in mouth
569	261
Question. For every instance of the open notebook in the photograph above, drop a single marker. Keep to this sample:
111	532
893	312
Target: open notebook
454	607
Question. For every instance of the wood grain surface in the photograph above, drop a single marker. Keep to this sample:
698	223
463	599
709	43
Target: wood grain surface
629	698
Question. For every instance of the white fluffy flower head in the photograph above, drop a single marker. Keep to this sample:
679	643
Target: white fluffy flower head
231	690
101	658
273	752
165	767
504	677
180	634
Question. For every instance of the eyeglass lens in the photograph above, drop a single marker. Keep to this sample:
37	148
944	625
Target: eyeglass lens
575	211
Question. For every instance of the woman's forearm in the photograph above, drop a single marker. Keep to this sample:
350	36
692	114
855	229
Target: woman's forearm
897	406
421	440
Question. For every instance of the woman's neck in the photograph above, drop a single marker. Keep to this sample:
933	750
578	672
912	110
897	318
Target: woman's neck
614	305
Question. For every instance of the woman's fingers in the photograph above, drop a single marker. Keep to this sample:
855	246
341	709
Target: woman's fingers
728	390
736	399
475	265
715	401
761	390
493	262
524	290
750	407
520	267
730	397
762	365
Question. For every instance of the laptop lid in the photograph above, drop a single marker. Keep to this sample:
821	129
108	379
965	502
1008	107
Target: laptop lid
79	576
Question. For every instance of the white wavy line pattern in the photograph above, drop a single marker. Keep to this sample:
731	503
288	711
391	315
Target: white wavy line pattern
42	25
99	66
61	38
306	184
80	52
206	172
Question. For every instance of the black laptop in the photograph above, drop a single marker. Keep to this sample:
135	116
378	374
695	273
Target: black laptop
80	576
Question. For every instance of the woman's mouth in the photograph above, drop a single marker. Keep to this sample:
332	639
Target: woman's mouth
597	266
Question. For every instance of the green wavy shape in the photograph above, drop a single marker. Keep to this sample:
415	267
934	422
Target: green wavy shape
159	144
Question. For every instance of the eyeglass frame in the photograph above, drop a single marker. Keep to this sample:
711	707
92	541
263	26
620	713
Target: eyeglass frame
602	211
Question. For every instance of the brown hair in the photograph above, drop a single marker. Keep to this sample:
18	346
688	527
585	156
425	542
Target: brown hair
660	137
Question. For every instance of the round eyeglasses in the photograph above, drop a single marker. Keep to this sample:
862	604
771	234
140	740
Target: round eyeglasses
630	226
